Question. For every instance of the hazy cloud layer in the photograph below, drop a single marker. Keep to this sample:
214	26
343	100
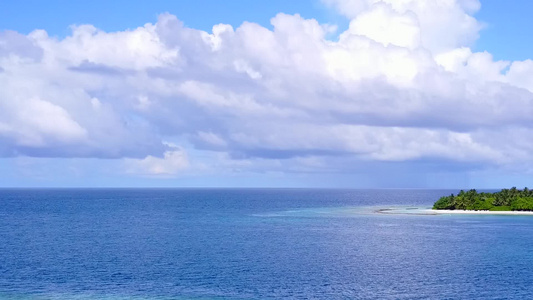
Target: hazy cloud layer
400	84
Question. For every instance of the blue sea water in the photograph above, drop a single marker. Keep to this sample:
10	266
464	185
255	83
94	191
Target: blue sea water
255	244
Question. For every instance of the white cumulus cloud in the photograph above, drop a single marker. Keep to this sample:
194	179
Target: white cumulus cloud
400	84
172	162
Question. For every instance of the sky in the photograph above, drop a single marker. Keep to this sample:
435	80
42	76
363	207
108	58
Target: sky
317	93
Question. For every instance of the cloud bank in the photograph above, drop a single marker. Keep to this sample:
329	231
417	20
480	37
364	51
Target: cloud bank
400	84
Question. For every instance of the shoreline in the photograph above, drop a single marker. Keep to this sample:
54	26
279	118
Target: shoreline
429	211
483	212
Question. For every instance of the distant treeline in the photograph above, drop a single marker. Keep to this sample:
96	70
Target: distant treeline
506	199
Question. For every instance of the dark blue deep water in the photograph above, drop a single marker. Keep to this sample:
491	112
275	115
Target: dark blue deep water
255	244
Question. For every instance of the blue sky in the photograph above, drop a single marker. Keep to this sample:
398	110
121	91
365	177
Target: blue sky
506	34
57	16
348	93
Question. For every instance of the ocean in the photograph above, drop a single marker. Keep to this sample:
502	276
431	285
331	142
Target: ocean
255	244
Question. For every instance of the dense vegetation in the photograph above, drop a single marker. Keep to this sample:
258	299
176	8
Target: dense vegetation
506	199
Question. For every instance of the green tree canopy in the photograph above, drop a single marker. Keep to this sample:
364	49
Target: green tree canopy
506	199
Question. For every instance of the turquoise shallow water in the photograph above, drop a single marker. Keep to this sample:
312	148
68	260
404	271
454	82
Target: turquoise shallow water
255	244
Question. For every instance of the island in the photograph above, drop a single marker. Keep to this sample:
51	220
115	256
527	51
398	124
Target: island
511	199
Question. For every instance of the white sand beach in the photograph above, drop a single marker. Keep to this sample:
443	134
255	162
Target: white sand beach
429	211
479	212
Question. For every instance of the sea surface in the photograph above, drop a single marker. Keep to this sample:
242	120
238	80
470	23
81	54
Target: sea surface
255	244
